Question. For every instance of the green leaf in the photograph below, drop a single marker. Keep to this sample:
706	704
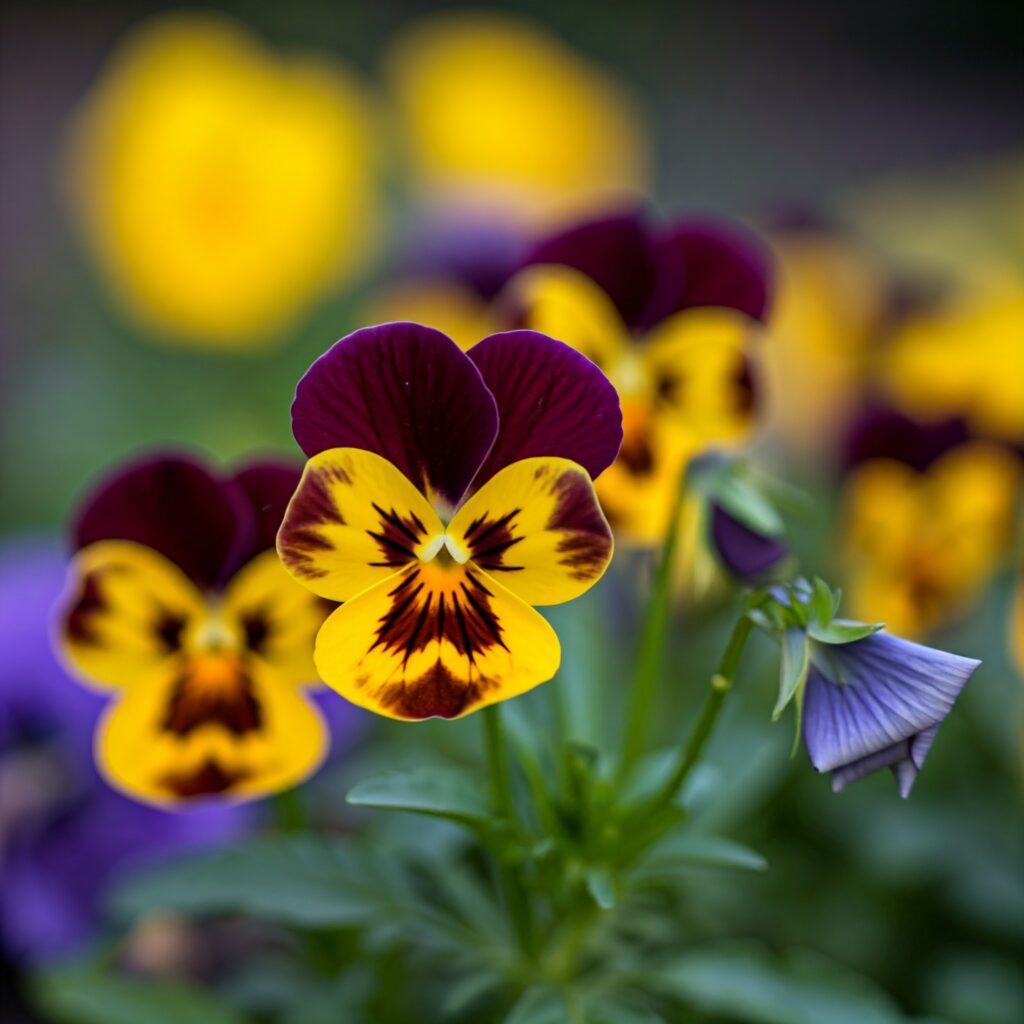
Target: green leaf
601	885
746	983
439	792
746	503
689	849
539	1005
821	602
300	880
793	668
78	996
842	631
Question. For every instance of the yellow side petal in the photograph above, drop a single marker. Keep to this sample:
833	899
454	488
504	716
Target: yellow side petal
127	610
699	366
353	521
538	526
567	305
437	640
276	617
210	727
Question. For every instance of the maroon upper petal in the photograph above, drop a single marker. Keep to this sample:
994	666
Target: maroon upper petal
406	392
176	506
551	400
615	252
708	263
268	485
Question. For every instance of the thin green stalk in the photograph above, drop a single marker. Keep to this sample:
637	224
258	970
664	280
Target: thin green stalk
721	683
516	899
650	654
290	811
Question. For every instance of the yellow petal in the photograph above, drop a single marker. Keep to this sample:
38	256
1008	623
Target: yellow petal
127	611
638	490
538	526
353	521
212	726
276	618
435	640
698	364
566	304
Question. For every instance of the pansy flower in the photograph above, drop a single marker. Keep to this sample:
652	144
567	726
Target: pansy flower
669	315
178	607
878	703
221	187
494	112
921	544
445	493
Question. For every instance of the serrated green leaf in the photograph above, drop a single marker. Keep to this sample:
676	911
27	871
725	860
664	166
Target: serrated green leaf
793	666
439	792
77	996
307	881
842	631
746	503
601	885
689	849
821	602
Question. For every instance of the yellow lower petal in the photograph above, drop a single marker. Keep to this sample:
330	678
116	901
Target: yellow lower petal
538	526
210	728
127	609
437	640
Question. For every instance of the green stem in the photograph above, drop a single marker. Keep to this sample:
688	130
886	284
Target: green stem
647	667
721	683
515	897
290	811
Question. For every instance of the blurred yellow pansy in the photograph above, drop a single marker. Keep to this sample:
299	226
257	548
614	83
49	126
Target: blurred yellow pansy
828	312
967	359
921	546
492	109
221	188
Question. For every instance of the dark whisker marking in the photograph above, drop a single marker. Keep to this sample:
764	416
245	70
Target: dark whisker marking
492	525
410	644
467	642
490	623
395	520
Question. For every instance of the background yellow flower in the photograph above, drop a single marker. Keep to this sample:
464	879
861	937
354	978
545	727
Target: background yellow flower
493	109
221	188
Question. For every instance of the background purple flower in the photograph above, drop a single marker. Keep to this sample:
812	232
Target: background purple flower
64	834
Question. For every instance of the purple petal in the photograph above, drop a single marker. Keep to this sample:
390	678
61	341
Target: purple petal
707	263
268	486
881	698
613	251
745	553
551	400
407	393
880	433
175	505
478	252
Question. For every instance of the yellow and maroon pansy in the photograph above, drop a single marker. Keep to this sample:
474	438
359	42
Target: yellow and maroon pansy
669	316
921	544
446	493
178	605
